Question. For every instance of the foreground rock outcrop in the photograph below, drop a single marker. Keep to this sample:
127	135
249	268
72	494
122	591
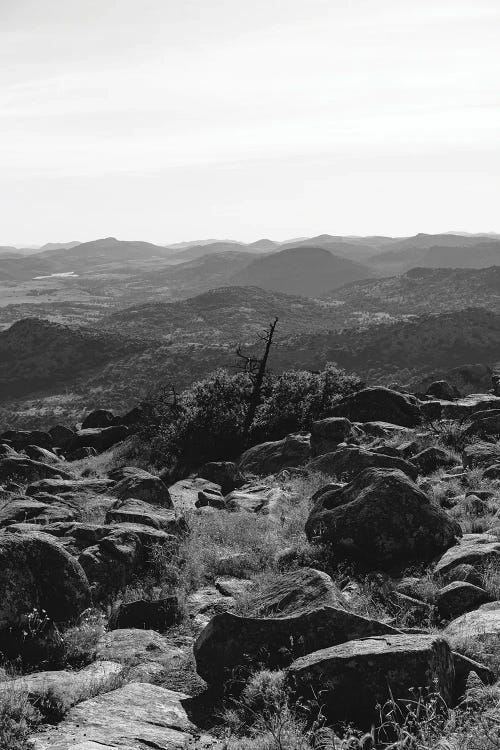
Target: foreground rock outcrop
381	519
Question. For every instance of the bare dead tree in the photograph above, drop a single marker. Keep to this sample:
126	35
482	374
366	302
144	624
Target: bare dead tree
256	368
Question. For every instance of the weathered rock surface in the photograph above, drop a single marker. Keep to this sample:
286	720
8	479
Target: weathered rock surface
459	597
36	572
133	646
269	458
66	686
27	509
380	404
349	461
98	418
41	454
67	485
382	519
353	677
135	717
184	494
100	438
230	642
442	390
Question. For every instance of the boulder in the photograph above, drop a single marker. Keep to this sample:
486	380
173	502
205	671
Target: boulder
230	642
138	511
81	453
98	418
294	593
480	454
143	486
24	470
464	407
254	498
480	627
431	459
41	454
345	463
100	438
211	499
135	716
37	573
224	473
19	439
442	390
112	561
326	434
378	404
158	614
474	549
492	472
270	458
61	436
352	678
484	423
381	519
459	597
69	486
26	509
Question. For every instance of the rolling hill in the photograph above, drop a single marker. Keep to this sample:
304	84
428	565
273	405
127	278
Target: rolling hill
227	314
304	270
444	250
422	290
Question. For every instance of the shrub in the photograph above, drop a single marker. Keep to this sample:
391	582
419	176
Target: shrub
17	719
206	422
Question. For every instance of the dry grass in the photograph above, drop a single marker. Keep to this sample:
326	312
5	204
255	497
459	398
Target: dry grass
18	718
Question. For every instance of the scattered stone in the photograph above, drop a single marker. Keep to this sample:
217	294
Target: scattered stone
382	519
352	678
211	499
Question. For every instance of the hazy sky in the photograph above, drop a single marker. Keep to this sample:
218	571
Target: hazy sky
173	119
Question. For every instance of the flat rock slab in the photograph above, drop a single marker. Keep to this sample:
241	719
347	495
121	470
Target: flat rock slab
63	486
135	717
483	624
184	494
475	550
69	687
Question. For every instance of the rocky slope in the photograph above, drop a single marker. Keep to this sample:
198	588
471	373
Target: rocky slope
259	584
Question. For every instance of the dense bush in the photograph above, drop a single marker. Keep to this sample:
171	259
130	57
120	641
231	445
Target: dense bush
205	423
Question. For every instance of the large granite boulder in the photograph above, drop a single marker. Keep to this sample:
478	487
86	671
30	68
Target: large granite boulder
477	550
270	458
381	519
98	418
100	438
345	463
352	678
478	630
37	573
224	473
137	511
459	597
380	404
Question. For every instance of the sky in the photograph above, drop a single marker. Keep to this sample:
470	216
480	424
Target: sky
172	120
